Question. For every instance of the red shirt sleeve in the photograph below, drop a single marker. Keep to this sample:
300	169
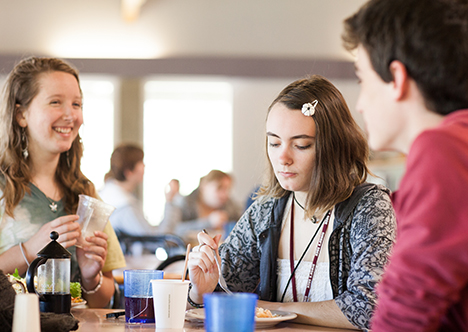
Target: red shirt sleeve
427	272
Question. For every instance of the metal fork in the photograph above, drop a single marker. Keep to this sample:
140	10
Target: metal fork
221	280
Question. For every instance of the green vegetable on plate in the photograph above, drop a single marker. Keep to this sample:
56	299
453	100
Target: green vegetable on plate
75	289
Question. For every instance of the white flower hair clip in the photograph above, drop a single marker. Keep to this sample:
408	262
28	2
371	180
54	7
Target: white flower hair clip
308	109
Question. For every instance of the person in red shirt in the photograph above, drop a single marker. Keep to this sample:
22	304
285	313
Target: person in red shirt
412	64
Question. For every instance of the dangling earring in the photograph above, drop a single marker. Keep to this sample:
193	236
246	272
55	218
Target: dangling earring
24	139
68	158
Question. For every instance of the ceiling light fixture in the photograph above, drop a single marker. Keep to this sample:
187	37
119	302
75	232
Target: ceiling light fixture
131	9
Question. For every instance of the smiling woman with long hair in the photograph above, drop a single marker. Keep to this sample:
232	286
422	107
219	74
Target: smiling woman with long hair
40	154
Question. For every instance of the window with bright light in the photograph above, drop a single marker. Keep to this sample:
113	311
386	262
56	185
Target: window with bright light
187	132
97	131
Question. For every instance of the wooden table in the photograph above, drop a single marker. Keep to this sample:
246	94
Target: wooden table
94	320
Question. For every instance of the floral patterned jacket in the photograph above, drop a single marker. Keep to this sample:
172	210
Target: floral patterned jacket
359	246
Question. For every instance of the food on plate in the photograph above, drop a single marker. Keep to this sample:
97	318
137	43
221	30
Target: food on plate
263	313
19	285
75	292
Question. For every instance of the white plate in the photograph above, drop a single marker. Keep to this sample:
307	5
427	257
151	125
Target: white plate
79	304
195	315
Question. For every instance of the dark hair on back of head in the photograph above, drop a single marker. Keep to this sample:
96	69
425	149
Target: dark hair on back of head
124	158
429	37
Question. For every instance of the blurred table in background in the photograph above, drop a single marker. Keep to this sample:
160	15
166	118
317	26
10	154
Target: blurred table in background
148	262
145	262
148	252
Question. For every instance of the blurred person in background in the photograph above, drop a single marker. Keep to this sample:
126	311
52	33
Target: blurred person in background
209	206
126	173
172	193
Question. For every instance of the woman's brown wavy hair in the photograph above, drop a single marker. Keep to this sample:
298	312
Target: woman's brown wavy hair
341	151
20	89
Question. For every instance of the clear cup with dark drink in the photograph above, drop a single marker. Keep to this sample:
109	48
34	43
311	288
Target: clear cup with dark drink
138	293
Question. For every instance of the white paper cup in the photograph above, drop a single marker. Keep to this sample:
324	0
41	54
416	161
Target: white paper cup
26	317
170	301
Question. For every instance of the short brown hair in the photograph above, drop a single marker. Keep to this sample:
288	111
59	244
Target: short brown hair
214	175
341	149
429	37
124	158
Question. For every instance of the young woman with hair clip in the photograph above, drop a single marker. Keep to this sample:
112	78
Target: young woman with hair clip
40	154
314	188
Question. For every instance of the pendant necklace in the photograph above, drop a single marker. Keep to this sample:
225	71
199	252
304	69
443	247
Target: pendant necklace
314	218
53	204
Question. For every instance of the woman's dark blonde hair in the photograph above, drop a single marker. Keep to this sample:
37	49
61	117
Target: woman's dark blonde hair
124	158
341	151
214	175
21	87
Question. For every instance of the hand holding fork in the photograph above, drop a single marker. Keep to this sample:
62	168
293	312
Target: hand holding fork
221	280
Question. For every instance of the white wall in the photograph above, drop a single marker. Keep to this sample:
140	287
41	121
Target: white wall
252	97
175	28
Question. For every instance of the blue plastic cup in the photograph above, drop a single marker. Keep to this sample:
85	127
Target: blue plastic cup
139	307
230	313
